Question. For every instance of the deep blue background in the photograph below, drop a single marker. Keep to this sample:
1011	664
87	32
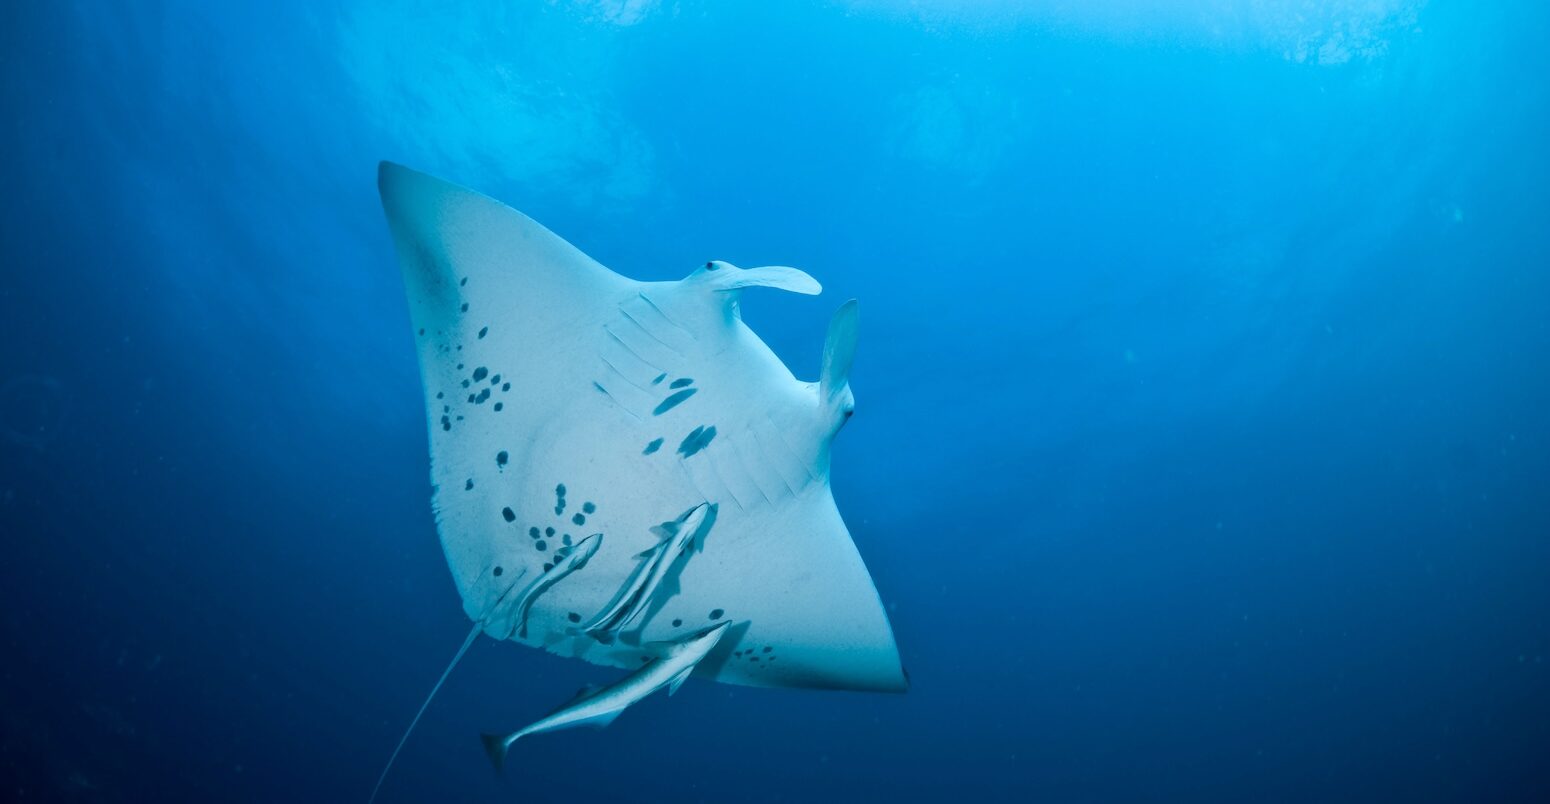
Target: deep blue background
1201	450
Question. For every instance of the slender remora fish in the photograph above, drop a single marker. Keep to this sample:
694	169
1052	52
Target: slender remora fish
677	538
599	707
513	617
456	657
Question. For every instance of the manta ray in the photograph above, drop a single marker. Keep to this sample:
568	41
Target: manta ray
567	402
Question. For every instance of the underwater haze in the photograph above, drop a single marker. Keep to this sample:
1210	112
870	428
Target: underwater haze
1201	448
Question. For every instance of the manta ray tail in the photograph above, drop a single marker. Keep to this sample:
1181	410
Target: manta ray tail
472	635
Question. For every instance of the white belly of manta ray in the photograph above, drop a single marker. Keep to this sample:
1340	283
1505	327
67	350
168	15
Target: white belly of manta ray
623	471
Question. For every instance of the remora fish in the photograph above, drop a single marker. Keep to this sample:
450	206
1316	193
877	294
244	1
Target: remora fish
677	538
599	707
513	617
500	623
468	642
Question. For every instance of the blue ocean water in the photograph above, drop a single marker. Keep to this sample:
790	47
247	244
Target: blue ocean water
1201	442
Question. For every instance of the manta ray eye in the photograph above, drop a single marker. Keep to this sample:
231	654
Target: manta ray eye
711	266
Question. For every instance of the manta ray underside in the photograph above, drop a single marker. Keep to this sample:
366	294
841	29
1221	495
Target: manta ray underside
566	401
623	471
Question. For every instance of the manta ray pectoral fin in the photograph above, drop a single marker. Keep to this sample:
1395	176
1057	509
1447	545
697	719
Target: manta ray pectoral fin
460	230
471	263
780	277
839	349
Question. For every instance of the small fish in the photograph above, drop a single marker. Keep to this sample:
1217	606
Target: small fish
598	708
677	538
512	618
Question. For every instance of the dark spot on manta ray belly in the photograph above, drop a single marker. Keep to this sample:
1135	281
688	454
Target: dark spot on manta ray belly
499	406
508	514
480	373
715	614
498	572
673	401
697	440
681	382
655	445
483	331
465	307
659	378
588	508
500	458
677	623
573	617
579	519
469	485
